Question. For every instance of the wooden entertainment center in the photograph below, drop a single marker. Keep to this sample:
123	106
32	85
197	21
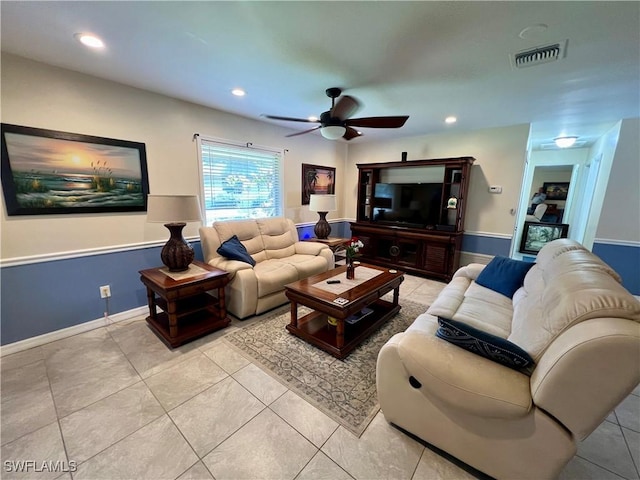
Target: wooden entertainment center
419	232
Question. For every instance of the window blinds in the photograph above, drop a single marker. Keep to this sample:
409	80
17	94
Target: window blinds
240	182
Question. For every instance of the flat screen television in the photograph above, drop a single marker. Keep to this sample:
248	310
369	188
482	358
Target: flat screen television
407	204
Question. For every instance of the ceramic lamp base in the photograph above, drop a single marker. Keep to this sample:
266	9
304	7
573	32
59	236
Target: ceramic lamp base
177	254
322	228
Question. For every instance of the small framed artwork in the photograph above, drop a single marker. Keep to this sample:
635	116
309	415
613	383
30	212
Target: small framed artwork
556	191
536	235
52	172
317	179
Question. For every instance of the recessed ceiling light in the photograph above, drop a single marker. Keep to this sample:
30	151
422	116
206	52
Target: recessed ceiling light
565	142
238	92
312	118
451	119
89	40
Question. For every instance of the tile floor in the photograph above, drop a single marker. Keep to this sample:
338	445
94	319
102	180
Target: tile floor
116	403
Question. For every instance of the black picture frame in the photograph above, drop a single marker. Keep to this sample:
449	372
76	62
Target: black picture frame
537	234
556	190
48	172
317	179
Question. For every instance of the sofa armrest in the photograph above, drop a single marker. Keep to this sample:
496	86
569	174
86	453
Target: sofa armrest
463	379
469	271
309	248
587	371
231	266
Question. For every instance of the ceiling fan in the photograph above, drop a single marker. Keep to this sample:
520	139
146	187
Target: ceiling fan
335	123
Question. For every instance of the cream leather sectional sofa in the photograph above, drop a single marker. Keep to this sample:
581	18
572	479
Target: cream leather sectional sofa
576	321
280	259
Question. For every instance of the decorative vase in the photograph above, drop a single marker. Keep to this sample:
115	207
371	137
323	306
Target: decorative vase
351	270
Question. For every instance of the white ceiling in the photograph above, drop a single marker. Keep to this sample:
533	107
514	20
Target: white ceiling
423	59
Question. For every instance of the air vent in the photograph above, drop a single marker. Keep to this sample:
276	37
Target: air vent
553	146
539	55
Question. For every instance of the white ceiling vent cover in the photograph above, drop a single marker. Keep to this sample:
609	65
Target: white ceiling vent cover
553	146
539	55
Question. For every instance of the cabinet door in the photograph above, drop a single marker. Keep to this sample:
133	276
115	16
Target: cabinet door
436	257
365	195
369	249
408	252
386	248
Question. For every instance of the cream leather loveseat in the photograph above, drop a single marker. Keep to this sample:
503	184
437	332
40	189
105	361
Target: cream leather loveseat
576	321
280	259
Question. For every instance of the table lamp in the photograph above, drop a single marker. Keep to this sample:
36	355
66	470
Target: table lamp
322	204
174	211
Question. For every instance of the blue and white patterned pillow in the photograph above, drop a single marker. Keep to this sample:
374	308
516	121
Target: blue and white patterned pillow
484	344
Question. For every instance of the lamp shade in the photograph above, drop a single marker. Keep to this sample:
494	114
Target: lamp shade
333	132
173	208
322	203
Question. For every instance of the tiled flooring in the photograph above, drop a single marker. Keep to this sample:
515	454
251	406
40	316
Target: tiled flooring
119	404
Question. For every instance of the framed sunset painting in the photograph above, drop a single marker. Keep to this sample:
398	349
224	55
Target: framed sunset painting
51	172
317	179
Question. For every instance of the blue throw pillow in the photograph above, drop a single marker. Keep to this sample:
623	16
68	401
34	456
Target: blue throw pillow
484	344
233	249
504	275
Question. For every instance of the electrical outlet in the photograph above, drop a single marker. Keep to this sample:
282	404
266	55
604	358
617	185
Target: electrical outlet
105	291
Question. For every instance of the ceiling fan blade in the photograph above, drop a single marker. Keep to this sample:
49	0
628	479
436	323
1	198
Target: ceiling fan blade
345	107
351	133
290	119
303	132
377	122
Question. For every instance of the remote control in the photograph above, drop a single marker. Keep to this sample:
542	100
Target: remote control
333	281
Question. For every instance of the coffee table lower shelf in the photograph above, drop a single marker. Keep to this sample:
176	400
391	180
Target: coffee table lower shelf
315	329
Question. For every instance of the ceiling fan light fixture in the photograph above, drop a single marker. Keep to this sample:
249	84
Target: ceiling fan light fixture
565	142
333	132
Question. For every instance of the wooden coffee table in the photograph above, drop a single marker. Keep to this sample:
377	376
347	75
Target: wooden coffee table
315	293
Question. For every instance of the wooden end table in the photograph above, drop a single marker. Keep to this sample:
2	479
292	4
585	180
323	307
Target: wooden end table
334	243
188	311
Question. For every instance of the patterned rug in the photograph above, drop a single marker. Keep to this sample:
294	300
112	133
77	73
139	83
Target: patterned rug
345	390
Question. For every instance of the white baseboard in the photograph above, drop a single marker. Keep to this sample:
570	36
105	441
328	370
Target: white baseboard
71	331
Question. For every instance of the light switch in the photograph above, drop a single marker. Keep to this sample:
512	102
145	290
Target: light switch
495	189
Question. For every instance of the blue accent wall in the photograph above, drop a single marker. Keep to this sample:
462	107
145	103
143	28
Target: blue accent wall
625	260
486	245
43	297
47	296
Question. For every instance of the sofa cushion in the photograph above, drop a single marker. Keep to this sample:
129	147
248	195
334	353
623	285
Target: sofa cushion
273	275
247	232
279	236
306	265
504	275
465	301
483	344
233	249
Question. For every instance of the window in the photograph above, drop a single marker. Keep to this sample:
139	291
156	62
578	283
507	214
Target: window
239	182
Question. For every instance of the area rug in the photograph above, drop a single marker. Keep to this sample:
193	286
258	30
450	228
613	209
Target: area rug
345	390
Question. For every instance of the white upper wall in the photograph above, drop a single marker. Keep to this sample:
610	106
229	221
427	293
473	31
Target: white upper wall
38	95
500	157
620	216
